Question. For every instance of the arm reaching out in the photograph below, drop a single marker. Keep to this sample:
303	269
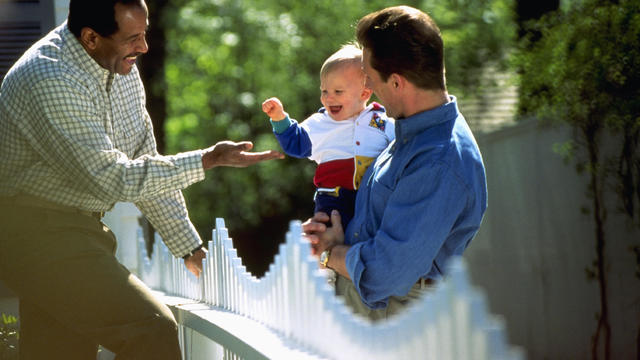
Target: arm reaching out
274	109
229	153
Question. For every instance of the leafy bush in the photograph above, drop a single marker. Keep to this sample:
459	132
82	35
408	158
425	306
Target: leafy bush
8	337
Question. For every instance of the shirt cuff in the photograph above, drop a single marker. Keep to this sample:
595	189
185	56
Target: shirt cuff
183	242
180	253
355	268
190	253
281	126
191	162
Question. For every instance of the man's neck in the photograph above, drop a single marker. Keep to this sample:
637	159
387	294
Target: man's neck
419	100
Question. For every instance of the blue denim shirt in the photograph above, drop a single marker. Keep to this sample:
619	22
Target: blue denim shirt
419	204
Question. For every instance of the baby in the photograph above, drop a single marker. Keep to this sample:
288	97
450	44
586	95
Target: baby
343	137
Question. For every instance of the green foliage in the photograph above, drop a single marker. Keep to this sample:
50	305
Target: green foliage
225	57
8	337
585	72
476	33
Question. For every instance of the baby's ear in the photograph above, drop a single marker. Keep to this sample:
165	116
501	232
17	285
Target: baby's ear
366	93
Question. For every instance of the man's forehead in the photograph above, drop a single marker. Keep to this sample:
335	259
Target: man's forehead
128	18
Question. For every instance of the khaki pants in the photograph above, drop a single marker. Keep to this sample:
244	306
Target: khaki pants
346	289
73	292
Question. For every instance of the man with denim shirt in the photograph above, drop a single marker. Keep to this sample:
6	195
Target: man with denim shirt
423	199
75	138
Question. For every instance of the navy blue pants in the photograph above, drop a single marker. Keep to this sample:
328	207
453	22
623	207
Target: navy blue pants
344	203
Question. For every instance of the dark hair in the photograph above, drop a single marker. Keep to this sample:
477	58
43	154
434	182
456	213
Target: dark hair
99	15
405	41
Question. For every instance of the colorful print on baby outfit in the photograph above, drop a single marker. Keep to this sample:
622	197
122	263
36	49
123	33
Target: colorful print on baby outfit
377	122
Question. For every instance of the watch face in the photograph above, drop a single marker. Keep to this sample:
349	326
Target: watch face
324	257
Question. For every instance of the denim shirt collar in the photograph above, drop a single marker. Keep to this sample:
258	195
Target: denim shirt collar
79	55
409	127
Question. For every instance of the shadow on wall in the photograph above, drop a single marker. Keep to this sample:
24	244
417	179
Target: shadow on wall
534	245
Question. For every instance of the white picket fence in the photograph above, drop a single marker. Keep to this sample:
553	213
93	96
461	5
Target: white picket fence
292	311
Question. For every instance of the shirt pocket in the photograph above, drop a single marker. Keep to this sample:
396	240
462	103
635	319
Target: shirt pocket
128	127
379	196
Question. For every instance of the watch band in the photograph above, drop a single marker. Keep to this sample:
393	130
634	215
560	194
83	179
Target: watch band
192	252
324	257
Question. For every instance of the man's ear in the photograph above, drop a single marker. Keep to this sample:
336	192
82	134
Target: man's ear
398	81
89	38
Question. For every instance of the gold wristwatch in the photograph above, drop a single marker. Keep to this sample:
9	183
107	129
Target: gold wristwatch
324	257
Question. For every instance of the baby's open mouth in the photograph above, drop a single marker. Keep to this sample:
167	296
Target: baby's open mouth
335	109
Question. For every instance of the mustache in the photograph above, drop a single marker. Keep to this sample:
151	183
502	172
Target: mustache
134	55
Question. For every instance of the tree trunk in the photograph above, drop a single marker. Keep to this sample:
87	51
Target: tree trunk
152	71
596	187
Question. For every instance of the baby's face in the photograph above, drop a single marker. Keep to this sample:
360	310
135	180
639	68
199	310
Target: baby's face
342	92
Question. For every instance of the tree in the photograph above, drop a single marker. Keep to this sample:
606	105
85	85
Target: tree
476	34
154	80
584	72
528	10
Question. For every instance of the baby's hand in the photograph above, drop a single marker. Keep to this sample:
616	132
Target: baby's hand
273	107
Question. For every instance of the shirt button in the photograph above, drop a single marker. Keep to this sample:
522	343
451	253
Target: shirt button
405	141
355	234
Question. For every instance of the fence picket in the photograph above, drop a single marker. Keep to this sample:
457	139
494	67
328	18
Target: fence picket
294	299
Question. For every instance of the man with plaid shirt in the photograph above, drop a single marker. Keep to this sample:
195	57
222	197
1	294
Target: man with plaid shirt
75	138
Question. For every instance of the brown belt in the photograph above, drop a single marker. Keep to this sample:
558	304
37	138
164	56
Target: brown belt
38	202
425	283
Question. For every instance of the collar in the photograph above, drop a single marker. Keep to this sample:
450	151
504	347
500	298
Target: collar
408	127
79	56
373	107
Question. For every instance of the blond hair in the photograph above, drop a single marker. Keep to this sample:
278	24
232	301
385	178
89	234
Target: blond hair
349	54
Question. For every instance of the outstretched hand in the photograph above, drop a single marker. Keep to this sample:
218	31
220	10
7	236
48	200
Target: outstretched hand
229	153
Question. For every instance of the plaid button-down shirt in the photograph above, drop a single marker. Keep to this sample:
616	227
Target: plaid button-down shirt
75	134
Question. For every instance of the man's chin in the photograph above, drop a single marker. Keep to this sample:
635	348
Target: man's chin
125	69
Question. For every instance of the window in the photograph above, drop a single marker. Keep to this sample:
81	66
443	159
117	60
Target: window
22	22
